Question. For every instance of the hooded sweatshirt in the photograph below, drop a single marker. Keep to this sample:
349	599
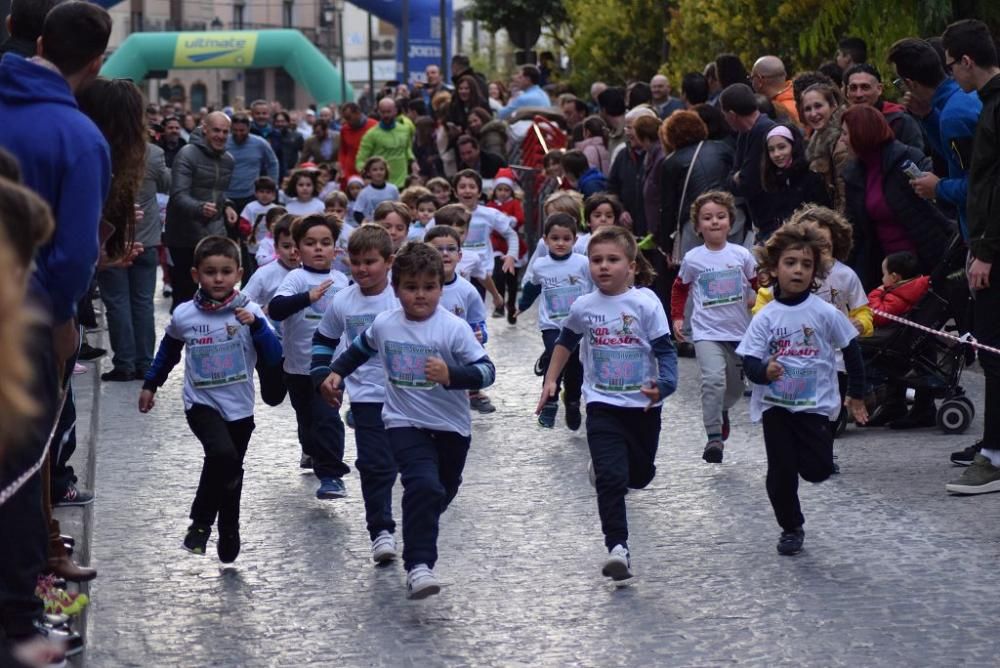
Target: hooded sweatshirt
65	159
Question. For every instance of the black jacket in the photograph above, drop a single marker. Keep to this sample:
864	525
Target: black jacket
625	182
798	185
750	148
982	204
928	228
489	164
710	171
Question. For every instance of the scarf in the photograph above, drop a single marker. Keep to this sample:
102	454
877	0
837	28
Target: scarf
236	299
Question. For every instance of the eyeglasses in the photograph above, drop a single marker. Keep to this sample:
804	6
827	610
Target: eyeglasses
448	249
948	66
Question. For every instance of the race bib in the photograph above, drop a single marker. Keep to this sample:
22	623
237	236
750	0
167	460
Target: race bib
217	364
558	300
406	362
477	237
721	287
621	370
356	324
796	388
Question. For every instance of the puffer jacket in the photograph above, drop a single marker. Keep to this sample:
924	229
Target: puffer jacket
493	138
200	174
596	152
155	180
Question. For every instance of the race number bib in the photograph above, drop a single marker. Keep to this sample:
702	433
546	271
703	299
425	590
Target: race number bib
558	300
795	389
356	324
721	287
621	370
477	237
217	364
406	363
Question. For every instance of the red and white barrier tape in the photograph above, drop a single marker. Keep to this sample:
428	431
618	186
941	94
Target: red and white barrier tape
966	338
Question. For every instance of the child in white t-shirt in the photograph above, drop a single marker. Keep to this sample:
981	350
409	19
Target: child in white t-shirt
629	368
252	224
789	352
299	305
477	245
719	276
265	252
225	333
378	190
427	354
394	217
352	310
559	278
337	205
426	205
301	194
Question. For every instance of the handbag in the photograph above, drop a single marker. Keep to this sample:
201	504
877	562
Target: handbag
675	253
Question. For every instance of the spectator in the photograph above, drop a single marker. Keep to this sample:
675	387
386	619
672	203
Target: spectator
286	142
434	85
478	117
769	78
260	112
647	137
626	176
821	110
596	89
863	85
581	176
694	89
730	70
499	95
851	51
471	157
595	144
638	93
354	127
718	127
460	66
425	150
612	105
526	79
466	99
170	140
574	111
787	181
802	81
390	139
663	102
740	109
711	74
323	145
833	71
252	157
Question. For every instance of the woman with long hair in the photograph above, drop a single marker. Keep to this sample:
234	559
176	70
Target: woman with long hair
466	97
821	109
787	181
595	143
499	95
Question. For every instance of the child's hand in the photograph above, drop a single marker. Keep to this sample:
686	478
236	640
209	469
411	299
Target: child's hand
548	392
479	335
858	409
437	371
316	293
244	316
678	330
146	401
652	392
330	390
508	264
774	369
857	325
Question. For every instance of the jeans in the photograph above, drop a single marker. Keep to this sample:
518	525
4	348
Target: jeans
321	431
221	483
572	375
128	299
430	467
376	467
721	381
986	327
797	444
623	443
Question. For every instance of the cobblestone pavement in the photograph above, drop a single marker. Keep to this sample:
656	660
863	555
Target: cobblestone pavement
894	572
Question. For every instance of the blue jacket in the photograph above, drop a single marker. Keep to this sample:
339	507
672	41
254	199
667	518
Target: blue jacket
65	159
254	158
950	128
592	181
532	97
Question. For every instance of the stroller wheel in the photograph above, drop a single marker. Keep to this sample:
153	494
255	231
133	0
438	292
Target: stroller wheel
968	402
954	416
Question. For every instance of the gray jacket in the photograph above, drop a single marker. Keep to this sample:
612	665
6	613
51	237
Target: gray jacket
200	175
156	180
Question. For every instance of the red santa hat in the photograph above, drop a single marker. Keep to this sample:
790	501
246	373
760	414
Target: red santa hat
504	177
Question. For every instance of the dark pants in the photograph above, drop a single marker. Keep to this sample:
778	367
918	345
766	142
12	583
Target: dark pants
797	444
128	299
506	284
375	465
664	280
622	444
986	327
271	380
321	431
572	375
63	445
430	467
221	483
180	276
480	287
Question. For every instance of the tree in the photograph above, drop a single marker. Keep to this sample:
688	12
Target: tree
511	15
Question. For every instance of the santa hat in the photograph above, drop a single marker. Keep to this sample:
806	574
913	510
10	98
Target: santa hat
504	177
355	179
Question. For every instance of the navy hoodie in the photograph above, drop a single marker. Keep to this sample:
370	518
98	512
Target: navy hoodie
65	159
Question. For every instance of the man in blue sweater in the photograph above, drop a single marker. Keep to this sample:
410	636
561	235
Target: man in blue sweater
253	158
526	79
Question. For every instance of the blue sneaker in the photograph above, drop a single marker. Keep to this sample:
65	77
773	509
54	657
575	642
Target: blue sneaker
547	418
331	488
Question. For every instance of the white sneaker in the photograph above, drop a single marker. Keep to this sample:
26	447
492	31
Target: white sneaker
383	548
618	565
421	583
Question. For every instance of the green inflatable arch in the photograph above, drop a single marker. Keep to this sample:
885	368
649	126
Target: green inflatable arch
142	52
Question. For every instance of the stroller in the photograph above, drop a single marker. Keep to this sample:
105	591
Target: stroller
923	361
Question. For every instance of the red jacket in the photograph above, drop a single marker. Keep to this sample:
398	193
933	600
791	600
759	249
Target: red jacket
512	208
898	299
350	142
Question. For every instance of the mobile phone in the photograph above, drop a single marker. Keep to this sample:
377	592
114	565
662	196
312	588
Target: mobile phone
911	170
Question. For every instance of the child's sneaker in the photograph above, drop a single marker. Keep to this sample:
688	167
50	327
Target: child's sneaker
481	403
331	488
713	451
383	548
573	417
59	601
228	545
791	542
196	540
618	565
547	418
725	426
421	583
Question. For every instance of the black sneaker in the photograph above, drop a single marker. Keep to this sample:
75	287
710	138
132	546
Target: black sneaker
713	452
791	542
89	353
573	417
511	316
964	457
118	376
74	496
498	312
196	540
228	545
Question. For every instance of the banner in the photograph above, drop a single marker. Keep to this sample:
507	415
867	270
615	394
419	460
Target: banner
215	49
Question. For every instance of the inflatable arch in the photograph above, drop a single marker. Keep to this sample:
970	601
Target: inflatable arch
145	51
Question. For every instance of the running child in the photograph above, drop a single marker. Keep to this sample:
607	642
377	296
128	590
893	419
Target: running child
225	333
430	358
301	193
378	190
252	226
629	368
504	201
395	218
440	187
355	184
560	278
265	253
718	275
352	310
789	353
337	205
426	207
299	305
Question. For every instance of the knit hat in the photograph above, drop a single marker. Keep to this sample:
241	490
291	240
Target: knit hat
355	179
504	177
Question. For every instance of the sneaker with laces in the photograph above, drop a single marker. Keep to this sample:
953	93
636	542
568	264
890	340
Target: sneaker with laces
74	496
982	477
791	542
573	417
421	583
228	545
331	488
481	403
547	418
383	548
713	451
725	426
196	540
965	457
618	565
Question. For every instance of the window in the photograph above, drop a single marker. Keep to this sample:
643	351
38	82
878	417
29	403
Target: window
239	16
284	88
253	80
199	95
177	14
288	13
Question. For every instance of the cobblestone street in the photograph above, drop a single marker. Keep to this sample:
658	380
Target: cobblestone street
894	571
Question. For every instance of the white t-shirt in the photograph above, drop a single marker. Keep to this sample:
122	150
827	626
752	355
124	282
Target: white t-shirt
265	254
719	283
460	298
805	338
471	266
264	283
842	288
297	329
581	243
405	345
416	231
219	360
563	282
616	348
299	208
477	240
541	250
341	260
255	212
350	314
